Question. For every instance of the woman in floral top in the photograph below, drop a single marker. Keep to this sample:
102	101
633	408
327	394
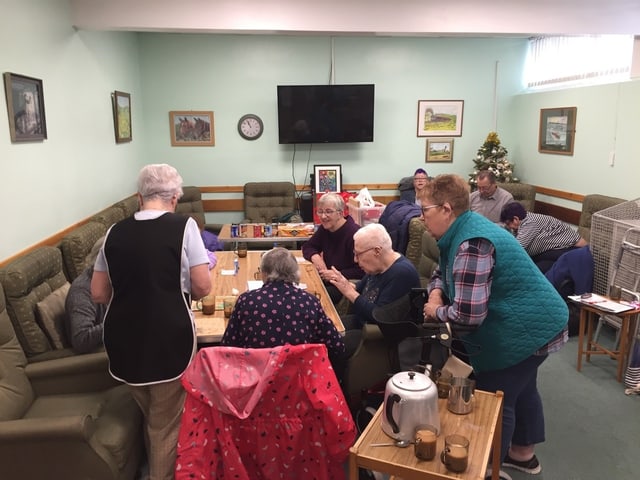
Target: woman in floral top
280	313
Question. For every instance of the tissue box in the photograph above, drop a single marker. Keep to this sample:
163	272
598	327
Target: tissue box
365	215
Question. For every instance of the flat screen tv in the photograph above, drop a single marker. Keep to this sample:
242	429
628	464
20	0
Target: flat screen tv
325	113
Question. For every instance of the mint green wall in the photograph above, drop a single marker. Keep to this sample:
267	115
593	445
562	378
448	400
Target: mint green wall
606	120
233	75
48	186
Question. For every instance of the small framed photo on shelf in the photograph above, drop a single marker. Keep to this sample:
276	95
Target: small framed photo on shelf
440	118
25	106
192	129
439	150
557	130
327	178
121	116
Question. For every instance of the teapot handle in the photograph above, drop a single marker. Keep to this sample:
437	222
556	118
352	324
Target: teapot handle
388	411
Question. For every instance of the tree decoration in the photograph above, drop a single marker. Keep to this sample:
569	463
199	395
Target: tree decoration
492	156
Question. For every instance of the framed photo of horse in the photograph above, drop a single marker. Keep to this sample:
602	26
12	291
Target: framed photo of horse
122	116
192	129
25	106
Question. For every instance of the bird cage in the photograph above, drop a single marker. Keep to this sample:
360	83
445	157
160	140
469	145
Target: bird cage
609	229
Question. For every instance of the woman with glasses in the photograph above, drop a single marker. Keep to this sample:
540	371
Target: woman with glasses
332	244
420	180
486	279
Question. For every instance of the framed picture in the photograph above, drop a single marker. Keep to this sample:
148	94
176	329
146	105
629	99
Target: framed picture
121	116
25	106
327	178
557	130
439	150
440	118
191	129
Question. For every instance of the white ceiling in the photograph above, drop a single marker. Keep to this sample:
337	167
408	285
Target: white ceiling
362	17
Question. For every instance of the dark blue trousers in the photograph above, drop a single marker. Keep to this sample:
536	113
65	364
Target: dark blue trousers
522	416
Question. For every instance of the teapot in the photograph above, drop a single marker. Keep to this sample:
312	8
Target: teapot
410	399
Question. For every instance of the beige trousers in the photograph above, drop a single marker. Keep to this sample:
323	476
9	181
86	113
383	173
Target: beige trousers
161	405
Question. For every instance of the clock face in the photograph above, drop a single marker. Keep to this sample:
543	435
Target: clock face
250	127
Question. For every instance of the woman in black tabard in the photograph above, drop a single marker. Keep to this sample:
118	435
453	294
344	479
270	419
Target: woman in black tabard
150	267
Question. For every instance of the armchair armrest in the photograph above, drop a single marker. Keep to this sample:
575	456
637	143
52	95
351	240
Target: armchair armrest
39	431
75	374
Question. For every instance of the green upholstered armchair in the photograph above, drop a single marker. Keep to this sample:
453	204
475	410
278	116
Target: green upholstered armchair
422	250
591	204
64	418
191	204
30	283
523	193
265	200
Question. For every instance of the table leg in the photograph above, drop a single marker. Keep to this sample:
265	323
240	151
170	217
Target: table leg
496	457
583	321
590	319
353	466
625	330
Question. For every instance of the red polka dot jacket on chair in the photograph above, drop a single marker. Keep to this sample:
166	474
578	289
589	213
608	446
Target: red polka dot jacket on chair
269	413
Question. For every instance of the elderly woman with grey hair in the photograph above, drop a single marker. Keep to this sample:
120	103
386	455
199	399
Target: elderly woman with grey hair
331	246
279	312
150	267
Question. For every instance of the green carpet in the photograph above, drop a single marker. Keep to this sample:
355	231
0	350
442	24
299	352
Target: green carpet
592	427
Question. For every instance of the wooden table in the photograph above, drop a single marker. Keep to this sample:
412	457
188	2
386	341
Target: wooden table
266	242
210	328
588	318
483	427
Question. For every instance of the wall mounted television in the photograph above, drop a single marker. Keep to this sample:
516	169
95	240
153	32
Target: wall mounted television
325	113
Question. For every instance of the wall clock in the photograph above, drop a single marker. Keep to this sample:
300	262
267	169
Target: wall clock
250	126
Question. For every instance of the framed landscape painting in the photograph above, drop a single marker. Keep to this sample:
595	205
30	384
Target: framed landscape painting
440	118
192	128
439	150
25	107
122	116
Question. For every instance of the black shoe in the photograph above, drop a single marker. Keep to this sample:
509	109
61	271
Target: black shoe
531	466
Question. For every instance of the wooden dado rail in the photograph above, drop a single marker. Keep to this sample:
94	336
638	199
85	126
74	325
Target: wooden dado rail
237	205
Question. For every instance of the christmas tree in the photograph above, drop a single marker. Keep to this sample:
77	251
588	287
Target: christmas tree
492	156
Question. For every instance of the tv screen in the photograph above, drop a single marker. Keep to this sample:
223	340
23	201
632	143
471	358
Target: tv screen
325	113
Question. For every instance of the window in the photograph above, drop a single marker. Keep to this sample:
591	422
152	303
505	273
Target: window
580	60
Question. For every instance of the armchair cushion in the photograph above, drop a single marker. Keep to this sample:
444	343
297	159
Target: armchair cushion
77	244
591	204
26	281
191	204
108	216
51	313
422	250
523	193
265	200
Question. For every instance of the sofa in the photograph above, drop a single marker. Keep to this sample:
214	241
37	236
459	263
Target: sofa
64	418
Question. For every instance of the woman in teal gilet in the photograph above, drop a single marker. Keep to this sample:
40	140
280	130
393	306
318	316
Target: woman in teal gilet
485	278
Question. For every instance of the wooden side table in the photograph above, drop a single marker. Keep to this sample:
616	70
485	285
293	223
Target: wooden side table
483	427
588	318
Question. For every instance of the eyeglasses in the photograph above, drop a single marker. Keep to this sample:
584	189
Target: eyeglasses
419	178
428	207
359	254
326	212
